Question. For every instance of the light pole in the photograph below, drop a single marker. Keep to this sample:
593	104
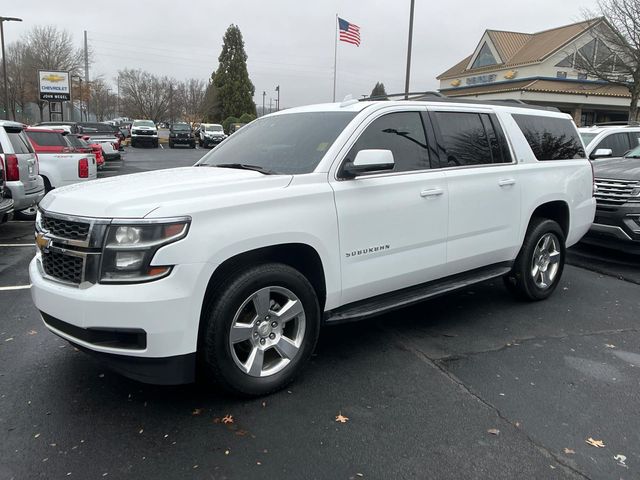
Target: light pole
4	62
73	113
406	82
264	95
278	101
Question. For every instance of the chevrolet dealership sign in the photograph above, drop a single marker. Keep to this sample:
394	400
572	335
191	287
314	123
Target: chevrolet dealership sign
54	86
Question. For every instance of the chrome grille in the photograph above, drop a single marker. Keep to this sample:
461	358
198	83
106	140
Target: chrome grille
63	267
66	228
615	192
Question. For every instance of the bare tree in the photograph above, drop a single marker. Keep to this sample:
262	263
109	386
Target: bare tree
18	80
192	92
613	54
144	95
102	99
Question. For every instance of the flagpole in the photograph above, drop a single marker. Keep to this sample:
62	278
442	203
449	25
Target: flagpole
335	60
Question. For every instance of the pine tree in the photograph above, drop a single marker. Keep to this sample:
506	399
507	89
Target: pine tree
232	88
379	92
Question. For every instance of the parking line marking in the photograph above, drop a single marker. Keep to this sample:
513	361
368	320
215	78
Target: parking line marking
17	244
15	287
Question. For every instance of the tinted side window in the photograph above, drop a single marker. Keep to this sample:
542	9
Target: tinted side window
617	142
550	138
403	134
19	142
48	139
464	139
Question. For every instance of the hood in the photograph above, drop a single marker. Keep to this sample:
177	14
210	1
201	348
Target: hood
617	168
138	194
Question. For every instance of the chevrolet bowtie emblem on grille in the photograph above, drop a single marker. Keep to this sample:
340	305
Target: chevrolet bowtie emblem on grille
43	242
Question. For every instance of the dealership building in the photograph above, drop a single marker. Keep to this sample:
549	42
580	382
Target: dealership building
539	68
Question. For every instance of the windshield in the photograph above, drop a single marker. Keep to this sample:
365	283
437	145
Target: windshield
587	137
180	126
144	123
634	153
213	128
288	144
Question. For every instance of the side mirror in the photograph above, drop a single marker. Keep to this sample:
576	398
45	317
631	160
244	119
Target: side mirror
601	153
369	161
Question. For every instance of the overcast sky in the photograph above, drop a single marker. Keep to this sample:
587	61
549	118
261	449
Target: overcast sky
290	43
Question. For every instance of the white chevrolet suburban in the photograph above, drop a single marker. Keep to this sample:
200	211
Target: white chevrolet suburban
306	217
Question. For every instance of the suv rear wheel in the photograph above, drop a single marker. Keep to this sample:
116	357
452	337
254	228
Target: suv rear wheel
540	263
260	330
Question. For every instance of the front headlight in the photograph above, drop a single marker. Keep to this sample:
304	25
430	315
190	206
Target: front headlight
129	249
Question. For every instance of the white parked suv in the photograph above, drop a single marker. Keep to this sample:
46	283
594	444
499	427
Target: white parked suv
309	216
144	131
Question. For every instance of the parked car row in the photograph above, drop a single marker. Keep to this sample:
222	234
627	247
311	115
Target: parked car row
37	159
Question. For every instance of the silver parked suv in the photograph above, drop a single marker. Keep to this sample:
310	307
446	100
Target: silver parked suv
21	169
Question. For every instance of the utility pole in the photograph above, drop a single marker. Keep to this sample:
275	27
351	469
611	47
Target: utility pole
408	76
278	101
170	103
118	97
4	65
86	70
270	100
264	94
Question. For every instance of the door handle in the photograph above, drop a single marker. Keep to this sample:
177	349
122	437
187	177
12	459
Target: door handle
507	182
431	192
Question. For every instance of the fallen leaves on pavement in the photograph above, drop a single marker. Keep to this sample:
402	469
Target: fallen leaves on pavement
341	418
595	443
569	451
494	431
227	419
196	411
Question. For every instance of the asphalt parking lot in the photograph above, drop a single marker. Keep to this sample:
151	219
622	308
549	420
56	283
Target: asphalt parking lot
471	385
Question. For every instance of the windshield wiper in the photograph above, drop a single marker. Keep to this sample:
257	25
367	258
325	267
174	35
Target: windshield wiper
245	166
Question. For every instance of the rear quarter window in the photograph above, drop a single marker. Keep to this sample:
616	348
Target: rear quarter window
551	138
19	142
48	139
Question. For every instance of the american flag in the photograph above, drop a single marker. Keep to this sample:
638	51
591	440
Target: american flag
349	32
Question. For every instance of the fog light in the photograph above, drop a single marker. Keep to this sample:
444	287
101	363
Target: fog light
128	235
129	260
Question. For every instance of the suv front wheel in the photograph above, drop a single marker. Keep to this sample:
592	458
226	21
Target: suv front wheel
539	265
260	330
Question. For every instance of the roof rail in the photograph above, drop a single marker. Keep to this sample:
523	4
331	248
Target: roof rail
409	96
433	96
621	123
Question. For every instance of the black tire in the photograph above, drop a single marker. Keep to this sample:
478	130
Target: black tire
133	144
170	145
215	352
28	214
520	281
47	185
193	145
156	144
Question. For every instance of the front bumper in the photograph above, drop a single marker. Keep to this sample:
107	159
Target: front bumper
182	140
22	199
146	331
617	227
144	138
212	140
